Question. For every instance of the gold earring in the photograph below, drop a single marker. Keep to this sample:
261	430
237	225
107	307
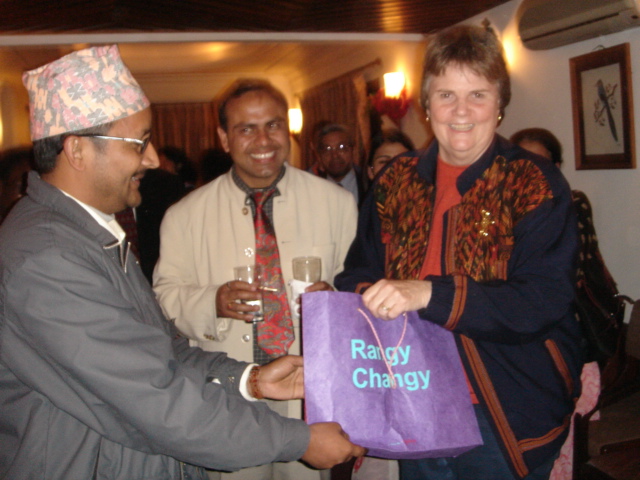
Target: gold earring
500	118
428	118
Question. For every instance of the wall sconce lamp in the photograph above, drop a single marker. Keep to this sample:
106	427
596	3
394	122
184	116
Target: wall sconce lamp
392	100
393	84
295	122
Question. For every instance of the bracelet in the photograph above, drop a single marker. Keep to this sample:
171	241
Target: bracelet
253	383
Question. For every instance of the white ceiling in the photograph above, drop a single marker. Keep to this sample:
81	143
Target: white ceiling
193	67
186	50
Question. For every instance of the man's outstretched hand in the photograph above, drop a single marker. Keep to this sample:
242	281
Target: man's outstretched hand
282	379
329	446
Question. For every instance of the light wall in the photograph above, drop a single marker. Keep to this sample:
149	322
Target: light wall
404	57
542	98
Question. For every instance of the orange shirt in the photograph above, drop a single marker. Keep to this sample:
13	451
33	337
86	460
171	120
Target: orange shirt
447	196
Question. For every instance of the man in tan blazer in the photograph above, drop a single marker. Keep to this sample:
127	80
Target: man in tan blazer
211	231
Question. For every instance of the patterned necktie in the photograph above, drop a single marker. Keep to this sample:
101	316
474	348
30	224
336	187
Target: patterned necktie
127	221
275	333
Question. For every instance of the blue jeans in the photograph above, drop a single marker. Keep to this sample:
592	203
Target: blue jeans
481	463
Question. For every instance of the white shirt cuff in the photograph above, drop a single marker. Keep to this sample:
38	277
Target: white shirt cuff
244	390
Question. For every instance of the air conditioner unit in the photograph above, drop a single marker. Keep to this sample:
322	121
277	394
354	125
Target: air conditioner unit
546	24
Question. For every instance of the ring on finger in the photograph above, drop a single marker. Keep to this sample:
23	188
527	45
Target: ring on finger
384	308
229	304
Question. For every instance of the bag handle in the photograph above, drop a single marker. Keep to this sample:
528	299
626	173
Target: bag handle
388	363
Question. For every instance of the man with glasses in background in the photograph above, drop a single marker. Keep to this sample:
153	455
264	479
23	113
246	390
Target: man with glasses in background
336	153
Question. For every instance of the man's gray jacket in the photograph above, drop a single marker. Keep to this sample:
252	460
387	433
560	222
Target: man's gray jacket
94	382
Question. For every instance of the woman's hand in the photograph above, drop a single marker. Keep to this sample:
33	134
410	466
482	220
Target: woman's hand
319	287
389	298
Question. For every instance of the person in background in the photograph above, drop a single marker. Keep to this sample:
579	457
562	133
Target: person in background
213	163
175	160
262	211
159	190
15	164
544	143
94	381
488	252
540	141
337	157
385	146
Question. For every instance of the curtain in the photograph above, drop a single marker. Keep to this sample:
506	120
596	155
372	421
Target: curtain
342	100
190	126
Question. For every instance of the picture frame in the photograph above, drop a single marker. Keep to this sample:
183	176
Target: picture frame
602	101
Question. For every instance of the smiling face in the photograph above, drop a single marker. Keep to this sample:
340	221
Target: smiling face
118	166
464	109
257	137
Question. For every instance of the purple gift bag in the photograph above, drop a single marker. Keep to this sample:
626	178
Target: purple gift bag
414	405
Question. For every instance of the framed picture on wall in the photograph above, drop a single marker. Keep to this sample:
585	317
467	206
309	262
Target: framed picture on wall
603	109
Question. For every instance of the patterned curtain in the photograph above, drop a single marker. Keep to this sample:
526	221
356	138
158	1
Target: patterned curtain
342	100
190	126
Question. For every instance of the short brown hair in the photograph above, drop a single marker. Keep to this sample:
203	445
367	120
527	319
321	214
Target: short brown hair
242	86
472	46
542	136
